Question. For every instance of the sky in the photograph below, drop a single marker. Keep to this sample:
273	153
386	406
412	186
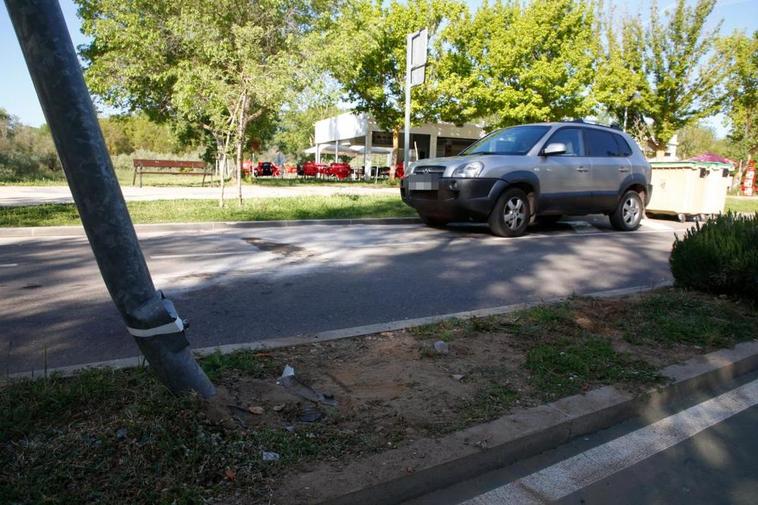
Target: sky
17	94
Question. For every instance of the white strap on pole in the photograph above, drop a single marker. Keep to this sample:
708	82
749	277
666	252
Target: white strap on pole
176	326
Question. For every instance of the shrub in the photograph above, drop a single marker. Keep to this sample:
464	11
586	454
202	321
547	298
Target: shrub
720	257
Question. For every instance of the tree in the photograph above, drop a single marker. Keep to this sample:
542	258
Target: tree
294	131
513	63
681	70
740	53
26	153
697	139
620	82
215	67
369	62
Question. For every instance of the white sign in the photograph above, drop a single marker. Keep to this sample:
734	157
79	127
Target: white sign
417	76
419	42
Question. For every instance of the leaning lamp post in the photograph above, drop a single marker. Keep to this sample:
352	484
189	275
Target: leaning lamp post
57	76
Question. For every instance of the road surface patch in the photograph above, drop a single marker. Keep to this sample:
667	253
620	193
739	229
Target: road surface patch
573	474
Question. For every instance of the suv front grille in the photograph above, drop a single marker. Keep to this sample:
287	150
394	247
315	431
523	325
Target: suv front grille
428	170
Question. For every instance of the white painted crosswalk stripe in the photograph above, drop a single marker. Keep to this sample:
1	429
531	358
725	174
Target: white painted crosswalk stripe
573	474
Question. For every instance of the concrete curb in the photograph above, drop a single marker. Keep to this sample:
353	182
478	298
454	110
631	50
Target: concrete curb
325	336
78	231
496	444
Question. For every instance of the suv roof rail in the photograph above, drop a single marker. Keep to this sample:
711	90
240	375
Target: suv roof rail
614	126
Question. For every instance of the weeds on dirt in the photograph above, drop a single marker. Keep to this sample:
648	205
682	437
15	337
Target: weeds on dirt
488	403
674	316
446	330
109	436
566	367
249	363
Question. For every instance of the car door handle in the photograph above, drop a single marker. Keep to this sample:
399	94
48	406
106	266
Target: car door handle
582	169
623	169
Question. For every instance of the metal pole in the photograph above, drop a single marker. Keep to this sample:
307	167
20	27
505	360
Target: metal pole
407	136
149	316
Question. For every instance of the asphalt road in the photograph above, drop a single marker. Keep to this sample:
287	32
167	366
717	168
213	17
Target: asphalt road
249	285
701	450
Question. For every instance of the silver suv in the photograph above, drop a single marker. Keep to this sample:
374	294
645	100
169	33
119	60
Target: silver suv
537	171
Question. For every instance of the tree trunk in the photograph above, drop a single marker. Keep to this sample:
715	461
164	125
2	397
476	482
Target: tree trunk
223	178
395	150
239	171
241	126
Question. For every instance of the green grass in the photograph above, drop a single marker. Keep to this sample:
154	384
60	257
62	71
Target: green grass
180	211
249	363
566	367
119	437
685	317
105	436
742	204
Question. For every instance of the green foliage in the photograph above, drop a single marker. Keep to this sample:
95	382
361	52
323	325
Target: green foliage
566	367
667	71
682	69
697	139
740	53
512	63
126	134
219	71
620	82
295	128
719	257
368	52
26	153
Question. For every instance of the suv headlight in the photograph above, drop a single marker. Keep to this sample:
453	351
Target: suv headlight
470	169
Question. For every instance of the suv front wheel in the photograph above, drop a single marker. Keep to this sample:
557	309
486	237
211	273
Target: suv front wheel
628	213
511	214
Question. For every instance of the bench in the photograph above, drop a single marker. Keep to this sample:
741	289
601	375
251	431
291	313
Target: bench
172	167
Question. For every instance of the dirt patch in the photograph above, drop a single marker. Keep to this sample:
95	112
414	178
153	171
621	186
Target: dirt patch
394	388
122	438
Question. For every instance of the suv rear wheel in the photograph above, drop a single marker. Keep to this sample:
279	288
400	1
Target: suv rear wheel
628	213
511	214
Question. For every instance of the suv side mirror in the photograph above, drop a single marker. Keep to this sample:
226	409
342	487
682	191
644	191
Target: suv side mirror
554	148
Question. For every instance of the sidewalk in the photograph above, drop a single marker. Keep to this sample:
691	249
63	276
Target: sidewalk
35	195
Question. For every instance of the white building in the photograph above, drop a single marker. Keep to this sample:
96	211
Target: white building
358	134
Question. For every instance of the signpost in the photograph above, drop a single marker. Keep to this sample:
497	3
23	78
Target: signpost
415	74
148	315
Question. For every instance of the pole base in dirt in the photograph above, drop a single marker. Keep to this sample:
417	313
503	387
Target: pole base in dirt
170	356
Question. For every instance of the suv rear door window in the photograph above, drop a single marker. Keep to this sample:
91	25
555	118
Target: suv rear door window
624	149
571	137
600	143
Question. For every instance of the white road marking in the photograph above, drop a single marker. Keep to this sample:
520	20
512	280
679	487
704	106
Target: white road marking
9	265
575	473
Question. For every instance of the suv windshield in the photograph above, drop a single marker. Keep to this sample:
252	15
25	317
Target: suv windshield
517	140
